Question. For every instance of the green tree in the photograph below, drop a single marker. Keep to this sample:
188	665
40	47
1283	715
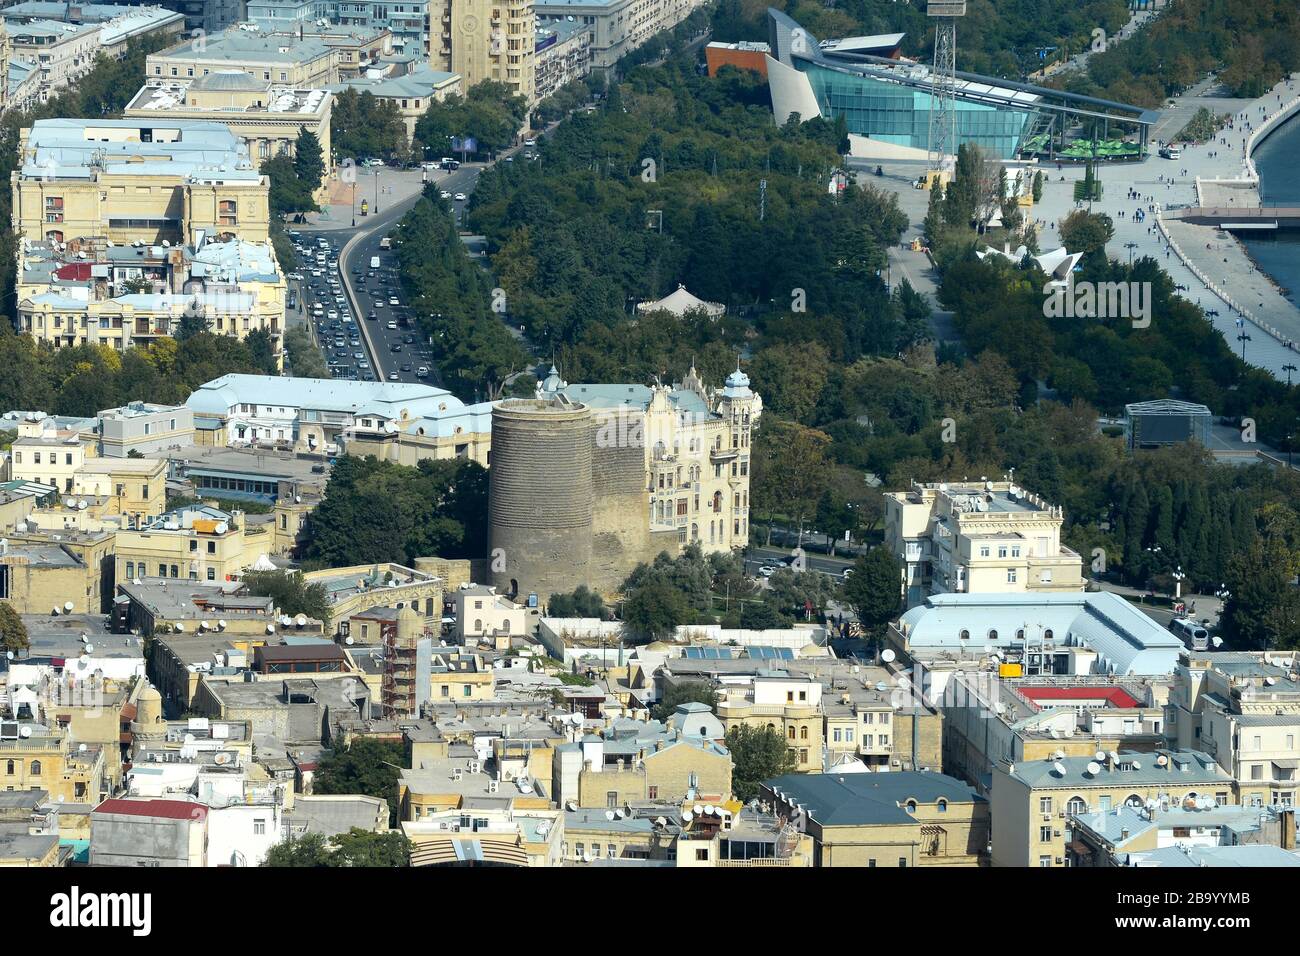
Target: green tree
357	847
369	766
13	632
291	593
582	602
308	163
653	612
757	756
874	589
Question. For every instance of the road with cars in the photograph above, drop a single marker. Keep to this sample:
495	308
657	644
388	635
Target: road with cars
346	286
398	348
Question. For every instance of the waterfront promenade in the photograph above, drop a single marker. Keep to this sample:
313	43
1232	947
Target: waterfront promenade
1214	267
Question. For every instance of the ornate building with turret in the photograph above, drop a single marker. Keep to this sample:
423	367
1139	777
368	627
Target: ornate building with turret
587	481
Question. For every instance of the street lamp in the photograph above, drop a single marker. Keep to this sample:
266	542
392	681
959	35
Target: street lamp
1243	338
1178	576
1130	246
1289	369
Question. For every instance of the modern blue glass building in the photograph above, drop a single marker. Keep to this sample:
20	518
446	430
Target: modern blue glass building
887	101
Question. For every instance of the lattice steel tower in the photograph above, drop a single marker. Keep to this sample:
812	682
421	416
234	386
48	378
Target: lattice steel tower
943	79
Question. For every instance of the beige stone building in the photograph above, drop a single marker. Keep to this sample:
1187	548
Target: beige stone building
1034	801
193	544
978	537
789	704
485	40
1243	709
265	114
62	53
135	487
48	759
410	93
872	820
129	181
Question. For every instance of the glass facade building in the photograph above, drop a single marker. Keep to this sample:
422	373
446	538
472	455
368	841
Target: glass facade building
898	114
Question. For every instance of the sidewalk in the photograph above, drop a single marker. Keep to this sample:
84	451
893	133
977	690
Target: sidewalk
1221	278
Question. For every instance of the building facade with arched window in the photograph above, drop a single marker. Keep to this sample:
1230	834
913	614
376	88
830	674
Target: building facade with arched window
48	759
1034	802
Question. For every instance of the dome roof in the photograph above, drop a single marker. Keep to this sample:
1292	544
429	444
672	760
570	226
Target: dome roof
149	693
737	379
553	382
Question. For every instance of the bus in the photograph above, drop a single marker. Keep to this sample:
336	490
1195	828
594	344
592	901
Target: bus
1193	635
385	243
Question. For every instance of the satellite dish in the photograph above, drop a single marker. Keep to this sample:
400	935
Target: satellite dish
67	607
221	625
180	628
270	628
81	748
1137	765
697	809
203	625
137	582
301	620
1060	755
887	656
348	640
1100	755
609	814
1216	641
25	732
686	816
83	637
1059	768
1161	760
90	648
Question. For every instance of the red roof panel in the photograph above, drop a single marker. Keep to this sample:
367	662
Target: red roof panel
167	809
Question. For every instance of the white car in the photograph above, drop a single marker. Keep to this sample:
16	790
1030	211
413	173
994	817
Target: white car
530	143
392	376
296	276
767	570
846	573
445	194
392	300
460	197
332	314
392	325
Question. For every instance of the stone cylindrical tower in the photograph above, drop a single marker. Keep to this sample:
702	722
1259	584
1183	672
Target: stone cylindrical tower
540	496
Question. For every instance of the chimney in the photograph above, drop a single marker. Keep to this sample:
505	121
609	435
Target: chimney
1288	829
659	745
1123	833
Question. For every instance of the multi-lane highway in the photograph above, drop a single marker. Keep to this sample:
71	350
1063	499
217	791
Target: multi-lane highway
394	340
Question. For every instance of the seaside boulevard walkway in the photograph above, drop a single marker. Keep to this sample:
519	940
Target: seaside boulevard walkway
1218	278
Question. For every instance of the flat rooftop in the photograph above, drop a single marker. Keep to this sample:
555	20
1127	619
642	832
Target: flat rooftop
77	149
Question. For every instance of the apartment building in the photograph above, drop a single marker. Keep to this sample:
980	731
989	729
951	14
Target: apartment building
307	57
1034	802
267	116
904	819
135	487
787	703
406	20
978	537
87	182
137	294
1242	708
562	55
618	26
411	93
34	756
146	428
988	719
60	53
486	40
483	616
196	544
